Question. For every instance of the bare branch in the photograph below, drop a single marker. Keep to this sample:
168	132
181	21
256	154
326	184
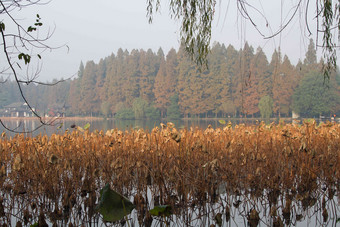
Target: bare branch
27	82
16	45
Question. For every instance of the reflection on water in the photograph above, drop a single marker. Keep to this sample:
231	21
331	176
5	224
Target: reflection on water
59	126
227	209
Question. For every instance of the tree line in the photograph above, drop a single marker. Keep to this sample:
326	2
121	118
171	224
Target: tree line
144	84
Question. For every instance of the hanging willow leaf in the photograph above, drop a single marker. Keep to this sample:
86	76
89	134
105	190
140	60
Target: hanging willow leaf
112	205
196	20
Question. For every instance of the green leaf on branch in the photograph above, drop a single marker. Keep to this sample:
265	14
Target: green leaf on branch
161	211
39	56
31	29
26	57
38	23
112	205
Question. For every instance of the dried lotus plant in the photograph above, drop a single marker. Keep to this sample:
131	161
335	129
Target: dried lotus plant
267	167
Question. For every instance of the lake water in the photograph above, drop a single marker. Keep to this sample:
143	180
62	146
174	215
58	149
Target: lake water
59	126
235	210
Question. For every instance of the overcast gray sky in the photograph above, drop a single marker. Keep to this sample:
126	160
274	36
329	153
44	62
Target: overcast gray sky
95	29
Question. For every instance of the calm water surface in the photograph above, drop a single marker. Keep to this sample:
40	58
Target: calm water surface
60	126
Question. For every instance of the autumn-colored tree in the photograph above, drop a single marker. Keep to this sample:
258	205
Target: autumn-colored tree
232	84
283	88
114	87
245	87
251	97
100	75
165	81
148	63
233	67
274	68
229	108
258	83
217	80
186	83
88	103
260	71
160	88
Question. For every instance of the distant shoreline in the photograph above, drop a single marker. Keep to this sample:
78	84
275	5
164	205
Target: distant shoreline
112	118
51	118
78	118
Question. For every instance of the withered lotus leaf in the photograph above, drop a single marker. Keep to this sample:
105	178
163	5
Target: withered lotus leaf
53	159
112	205
161	210
87	126
222	122
218	219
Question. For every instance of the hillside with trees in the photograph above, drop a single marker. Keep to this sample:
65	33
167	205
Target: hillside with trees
144	84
